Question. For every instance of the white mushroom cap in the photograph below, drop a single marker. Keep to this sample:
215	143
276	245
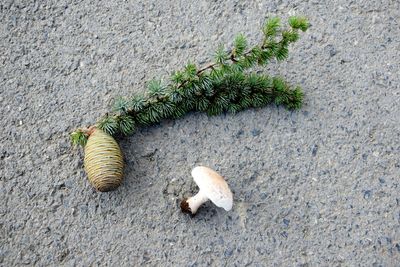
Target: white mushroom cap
213	186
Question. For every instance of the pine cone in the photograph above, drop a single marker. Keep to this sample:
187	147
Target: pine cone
103	161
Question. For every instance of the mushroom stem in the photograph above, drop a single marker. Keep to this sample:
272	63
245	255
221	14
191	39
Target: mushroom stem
196	201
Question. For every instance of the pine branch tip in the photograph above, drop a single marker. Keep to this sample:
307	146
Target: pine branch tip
79	137
299	22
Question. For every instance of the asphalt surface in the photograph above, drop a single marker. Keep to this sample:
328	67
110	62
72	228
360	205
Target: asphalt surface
317	187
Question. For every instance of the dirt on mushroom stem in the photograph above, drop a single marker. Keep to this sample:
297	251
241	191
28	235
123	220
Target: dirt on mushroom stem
185	208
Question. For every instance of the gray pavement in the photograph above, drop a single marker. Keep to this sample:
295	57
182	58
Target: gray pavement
317	187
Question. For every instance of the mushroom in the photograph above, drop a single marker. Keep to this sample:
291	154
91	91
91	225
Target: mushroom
212	187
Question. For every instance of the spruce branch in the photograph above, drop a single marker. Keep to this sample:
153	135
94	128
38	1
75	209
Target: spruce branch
220	86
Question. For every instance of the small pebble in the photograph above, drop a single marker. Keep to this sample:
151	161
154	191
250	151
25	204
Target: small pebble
239	133
255	132
330	49
228	252
367	194
286	222
314	150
